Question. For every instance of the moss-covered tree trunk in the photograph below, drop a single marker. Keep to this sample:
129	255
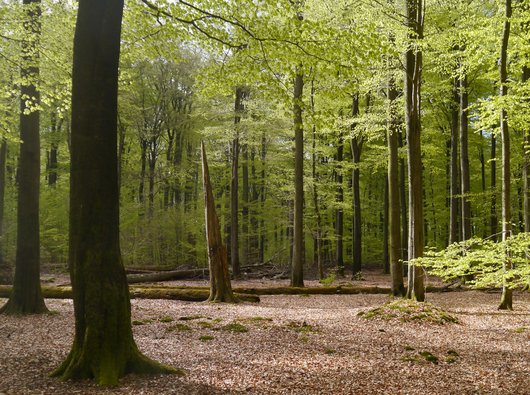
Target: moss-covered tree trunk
506	299
220	286
26	296
103	348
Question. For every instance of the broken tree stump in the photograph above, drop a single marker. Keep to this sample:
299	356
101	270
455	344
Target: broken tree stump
220	285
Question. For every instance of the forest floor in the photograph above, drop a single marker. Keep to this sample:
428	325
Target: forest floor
314	344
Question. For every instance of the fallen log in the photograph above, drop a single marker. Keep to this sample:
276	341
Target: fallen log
166	275
172	293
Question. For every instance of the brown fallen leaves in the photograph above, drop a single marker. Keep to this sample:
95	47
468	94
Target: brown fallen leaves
290	344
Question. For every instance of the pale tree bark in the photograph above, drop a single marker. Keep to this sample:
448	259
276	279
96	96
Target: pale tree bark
507	297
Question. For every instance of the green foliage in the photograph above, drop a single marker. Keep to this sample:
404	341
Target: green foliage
481	260
327	281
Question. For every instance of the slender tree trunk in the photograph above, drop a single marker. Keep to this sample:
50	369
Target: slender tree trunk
297	273
26	296
464	160
454	189
413	67
262	199
103	347
143	166
403	201
339	214
246	201
5	269
386	252
482	159
317	237
394	222
356	148
234	210
526	164
506	299
493	214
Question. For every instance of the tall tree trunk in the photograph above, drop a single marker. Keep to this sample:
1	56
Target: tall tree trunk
220	286
246	200
262	200
493	213
506	299
234	210
403	201
26	296
356	147
386	252
234	185
339	214
317	237
464	159
454	189
5	269
482	159
526	165
143	166
103	347
297	269
413	67
394	222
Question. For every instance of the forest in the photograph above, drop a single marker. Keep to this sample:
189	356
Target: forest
344	184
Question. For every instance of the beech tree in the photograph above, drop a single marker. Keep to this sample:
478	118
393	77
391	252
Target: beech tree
26	296
103	348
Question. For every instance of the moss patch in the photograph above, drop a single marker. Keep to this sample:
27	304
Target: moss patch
179	327
235	327
206	338
301	327
404	310
166	319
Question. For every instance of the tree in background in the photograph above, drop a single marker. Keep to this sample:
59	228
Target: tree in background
26	296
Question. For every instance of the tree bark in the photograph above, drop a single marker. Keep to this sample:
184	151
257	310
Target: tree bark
507	297
220	286
413	67
5	268
103	347
339	214
453	188
464	159
297	266
239	108
493	213
356	148
394	220
26	296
